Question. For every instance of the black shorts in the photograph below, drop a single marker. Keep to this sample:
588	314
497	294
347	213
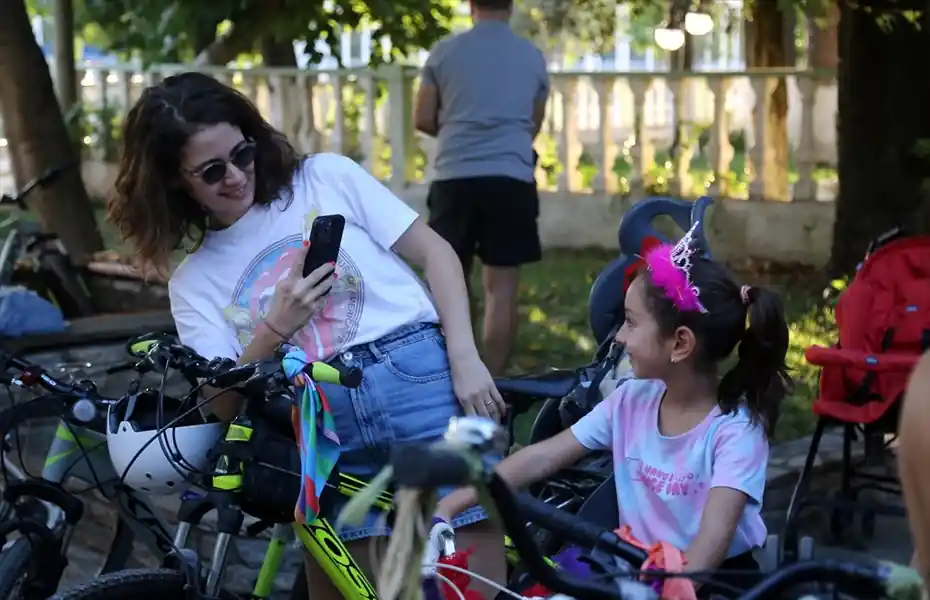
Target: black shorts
493	217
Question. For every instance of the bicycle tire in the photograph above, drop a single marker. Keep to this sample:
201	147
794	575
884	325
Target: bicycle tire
133	584
138	584
15	564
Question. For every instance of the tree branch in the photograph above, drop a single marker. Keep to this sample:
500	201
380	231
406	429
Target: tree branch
247	27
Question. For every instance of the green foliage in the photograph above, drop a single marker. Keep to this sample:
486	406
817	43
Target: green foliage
588	23
95	128
659	175
176	30
644	18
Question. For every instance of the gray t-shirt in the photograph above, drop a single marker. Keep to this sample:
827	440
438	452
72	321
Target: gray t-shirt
488	79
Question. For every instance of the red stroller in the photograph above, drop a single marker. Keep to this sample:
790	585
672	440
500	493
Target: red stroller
884	327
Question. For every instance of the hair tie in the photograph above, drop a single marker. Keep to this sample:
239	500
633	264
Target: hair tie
744	295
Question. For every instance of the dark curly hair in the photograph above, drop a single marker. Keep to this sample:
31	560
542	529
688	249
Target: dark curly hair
151	207
756	324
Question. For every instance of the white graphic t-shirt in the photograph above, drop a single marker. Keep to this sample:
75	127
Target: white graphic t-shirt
223	291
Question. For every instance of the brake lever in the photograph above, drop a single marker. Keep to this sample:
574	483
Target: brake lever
267	376
231	377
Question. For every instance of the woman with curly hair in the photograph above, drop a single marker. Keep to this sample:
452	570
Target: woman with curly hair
200	162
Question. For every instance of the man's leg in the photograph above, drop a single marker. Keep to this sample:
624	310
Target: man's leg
508	237
500	316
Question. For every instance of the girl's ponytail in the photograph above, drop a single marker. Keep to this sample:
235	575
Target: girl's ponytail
760	378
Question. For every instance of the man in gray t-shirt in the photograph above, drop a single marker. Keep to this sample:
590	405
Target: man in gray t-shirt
483	95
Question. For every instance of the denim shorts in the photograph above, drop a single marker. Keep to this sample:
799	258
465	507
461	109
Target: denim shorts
406	396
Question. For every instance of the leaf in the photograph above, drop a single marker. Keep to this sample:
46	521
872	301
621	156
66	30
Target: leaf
167	30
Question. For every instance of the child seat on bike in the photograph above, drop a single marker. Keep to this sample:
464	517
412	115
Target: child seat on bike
883	319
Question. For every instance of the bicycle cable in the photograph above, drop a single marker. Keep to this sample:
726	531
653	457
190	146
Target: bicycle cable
194	475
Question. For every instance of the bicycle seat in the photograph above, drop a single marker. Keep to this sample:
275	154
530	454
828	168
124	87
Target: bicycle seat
529	389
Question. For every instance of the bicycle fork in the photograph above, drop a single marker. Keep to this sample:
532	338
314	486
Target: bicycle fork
225	485
229	521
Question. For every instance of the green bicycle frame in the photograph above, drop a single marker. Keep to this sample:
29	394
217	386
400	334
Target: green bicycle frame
322	542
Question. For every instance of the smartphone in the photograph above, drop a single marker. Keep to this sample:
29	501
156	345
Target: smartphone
325	240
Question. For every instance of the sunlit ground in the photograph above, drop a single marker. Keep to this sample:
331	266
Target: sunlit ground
554	324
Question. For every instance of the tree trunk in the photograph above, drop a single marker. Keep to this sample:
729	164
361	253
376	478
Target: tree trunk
65	72
245	31
824	41
765	48
277	53
789	21
202	35
37	136
884	92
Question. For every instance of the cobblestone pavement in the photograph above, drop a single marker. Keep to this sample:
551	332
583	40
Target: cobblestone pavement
95	531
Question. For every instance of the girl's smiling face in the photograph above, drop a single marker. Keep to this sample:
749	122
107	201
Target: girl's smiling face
649	354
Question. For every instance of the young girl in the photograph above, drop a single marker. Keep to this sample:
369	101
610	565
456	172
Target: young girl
689	448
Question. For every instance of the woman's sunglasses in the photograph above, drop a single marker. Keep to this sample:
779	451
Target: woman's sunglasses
214	172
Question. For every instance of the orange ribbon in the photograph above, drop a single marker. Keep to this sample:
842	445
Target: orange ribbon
664	557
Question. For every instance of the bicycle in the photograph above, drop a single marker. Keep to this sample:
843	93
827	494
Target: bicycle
256	472
40	509
39	260
460	460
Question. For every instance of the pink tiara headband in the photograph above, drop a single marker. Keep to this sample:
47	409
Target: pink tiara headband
670	269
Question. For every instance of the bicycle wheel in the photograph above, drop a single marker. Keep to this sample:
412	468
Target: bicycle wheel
14	569
133	584
137	584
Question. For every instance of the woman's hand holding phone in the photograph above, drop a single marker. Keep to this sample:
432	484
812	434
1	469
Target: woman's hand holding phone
297	298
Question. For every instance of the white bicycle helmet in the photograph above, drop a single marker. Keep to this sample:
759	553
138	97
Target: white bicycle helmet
159	466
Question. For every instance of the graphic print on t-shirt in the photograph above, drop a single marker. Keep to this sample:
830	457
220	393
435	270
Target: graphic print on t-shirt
331	329
667	483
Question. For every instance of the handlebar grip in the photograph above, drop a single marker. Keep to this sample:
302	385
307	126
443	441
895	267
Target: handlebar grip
350	377
426	466
142	347
17	363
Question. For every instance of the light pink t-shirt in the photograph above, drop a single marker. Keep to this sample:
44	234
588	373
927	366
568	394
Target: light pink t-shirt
663	482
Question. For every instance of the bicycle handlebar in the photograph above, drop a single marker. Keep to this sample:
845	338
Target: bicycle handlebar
164	351
80	397
32	374
47	177
457	461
